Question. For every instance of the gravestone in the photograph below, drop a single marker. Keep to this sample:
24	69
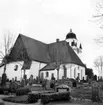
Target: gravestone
2	102
95	91
63	88
68	82
48	85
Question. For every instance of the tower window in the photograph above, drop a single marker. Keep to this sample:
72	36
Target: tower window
80	46
73	43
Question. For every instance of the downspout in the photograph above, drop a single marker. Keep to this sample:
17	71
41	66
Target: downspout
39	71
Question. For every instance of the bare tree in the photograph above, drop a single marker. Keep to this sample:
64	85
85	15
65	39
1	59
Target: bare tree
98	64
7	46
98	18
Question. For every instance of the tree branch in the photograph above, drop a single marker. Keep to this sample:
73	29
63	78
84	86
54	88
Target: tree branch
2	53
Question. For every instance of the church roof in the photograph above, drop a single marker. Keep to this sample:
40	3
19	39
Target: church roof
31	49
50	66
61	53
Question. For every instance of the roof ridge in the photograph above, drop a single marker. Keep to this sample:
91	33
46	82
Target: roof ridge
57	42
31	38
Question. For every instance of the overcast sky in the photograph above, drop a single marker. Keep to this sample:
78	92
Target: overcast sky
46	20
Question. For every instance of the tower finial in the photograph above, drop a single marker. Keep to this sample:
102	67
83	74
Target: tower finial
70	30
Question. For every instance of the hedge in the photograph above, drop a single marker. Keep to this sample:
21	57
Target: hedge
58	96
22	91
32	98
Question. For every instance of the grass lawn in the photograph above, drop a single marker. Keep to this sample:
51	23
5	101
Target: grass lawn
84	93
72	102
17	99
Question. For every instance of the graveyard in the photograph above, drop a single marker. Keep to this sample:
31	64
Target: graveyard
68	91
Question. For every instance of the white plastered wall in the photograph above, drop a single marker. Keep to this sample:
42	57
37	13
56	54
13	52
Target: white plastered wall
34	70
11	73
70	72
50	74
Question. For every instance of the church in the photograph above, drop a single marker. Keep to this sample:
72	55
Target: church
69	69
59	59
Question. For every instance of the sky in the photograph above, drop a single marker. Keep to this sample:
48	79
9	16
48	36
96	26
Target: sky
47	20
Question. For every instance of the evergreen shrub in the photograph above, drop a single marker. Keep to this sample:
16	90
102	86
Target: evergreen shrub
58	96
22	91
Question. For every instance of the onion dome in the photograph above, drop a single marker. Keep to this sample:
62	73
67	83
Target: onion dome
71	35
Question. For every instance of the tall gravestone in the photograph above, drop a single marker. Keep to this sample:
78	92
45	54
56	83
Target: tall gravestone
95	91
4	78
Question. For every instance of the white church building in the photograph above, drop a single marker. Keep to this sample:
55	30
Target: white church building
59	59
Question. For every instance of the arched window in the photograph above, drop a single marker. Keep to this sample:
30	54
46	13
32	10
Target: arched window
74	72
47	74
42	75
16	67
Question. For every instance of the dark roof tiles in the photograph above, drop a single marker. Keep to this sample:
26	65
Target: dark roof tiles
46	53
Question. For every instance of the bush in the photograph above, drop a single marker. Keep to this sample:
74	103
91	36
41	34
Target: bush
1	91
32	98
4	90
61	96
22	91
46	98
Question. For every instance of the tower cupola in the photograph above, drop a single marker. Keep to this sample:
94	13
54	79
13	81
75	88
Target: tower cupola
71	35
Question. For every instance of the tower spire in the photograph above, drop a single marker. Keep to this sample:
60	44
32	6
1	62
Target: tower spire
70	30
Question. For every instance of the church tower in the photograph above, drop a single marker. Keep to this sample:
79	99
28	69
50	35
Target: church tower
73	42
75	70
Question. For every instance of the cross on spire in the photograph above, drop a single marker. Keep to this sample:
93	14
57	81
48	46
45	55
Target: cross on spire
70	30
